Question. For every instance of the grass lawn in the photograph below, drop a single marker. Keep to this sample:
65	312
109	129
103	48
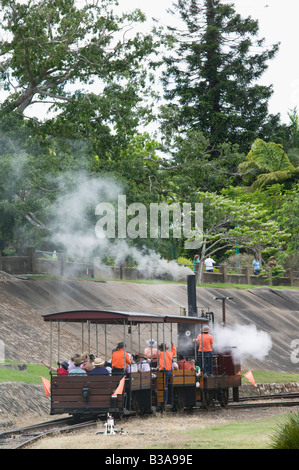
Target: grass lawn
261	377
31	376
238	435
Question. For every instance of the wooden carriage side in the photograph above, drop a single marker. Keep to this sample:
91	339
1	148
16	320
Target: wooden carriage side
84	394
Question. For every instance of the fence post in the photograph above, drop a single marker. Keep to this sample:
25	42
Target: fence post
290	276
30	253
61	263
223	269
247	274
270	277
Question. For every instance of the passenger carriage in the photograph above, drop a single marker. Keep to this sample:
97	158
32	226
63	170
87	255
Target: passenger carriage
135	392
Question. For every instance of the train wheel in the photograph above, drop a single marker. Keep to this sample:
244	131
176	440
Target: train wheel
223	397
206	399
136	405
178	402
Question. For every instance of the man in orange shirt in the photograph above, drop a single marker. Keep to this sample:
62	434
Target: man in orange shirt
120	360
165	364
206	349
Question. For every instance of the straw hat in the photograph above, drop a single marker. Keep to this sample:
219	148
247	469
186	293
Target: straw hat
206	328
98	362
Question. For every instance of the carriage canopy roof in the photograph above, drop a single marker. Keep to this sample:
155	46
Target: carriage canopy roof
116	317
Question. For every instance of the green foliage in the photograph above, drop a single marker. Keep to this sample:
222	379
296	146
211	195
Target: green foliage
267	164
287	434
185	261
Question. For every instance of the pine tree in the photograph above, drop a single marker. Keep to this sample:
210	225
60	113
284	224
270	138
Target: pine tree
212	72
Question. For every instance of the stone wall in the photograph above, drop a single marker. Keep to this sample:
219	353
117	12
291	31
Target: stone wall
19	401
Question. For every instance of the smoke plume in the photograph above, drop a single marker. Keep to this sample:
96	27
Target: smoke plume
73	229
245	341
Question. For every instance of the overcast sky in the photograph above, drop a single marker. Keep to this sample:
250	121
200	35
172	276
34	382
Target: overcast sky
278	21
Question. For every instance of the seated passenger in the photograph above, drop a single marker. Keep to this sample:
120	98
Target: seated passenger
88	363
63	370
143	363
77	370
151	351
184	364
99	368
71	361
108	367
133	367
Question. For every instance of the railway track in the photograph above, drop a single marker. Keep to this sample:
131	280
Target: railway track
259	401
22	437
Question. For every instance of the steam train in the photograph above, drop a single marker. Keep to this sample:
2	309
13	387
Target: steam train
143	392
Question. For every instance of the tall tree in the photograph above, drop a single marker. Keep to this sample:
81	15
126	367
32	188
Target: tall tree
51	49
212	72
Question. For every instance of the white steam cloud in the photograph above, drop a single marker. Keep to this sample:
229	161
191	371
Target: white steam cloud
245	341
73	231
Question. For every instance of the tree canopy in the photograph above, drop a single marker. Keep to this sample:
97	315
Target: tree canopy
96	70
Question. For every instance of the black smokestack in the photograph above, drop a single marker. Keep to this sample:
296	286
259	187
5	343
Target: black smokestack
187	333
191	287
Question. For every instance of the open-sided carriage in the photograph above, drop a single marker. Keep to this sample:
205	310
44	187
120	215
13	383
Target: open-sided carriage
133	392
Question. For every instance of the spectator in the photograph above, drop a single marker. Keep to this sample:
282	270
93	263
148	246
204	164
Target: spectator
196	262
209	262
256	266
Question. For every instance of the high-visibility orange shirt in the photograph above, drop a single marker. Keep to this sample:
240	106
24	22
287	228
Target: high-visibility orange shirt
207	342
120	359
168	359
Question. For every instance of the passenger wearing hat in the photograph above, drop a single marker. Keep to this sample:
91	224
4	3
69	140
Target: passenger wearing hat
63	370
142	362
77	370
120	360
99	367
71	361
205	349
88	364
151	351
